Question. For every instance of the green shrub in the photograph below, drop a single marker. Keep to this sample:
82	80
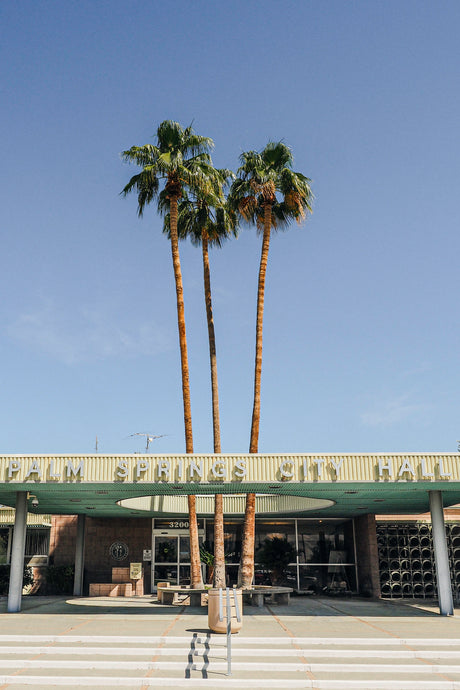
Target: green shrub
59	579
28	578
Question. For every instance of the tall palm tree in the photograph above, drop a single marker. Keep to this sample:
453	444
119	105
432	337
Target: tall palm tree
269	194
208	221
177	160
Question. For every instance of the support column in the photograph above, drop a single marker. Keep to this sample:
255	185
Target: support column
17	553
79	557
446	604
367	556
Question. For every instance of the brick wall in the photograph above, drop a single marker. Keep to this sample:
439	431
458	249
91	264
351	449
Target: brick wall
63	538
100	534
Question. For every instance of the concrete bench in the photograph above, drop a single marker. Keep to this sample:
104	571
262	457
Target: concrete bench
121	585
110	589
257	594
168	595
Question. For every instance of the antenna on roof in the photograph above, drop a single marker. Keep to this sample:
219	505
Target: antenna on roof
149	438
96	446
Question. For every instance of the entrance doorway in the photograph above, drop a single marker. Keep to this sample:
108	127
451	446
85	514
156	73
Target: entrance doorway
171	557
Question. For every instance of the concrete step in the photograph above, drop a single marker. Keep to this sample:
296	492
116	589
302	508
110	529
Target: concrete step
221	665
238	652
239	639
44	661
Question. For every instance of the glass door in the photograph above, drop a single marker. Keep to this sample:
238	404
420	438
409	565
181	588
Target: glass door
171	557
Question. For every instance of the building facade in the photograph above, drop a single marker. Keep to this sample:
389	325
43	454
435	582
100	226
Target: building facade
355	522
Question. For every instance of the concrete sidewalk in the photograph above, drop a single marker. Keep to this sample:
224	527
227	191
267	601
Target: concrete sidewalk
312	643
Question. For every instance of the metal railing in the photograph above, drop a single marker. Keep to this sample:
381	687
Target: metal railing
229	622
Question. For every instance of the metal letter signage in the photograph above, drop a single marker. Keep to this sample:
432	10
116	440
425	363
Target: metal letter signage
237	470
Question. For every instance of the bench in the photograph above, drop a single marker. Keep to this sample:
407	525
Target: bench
255	595
121	585
168	594
110	589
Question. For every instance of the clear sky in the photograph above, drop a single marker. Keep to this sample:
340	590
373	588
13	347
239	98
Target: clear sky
361	339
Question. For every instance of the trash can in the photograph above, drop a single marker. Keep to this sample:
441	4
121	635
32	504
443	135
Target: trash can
213	610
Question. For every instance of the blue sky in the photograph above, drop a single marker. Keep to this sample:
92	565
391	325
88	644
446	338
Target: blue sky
361	339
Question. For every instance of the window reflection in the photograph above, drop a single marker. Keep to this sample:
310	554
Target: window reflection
318	542
165	549
325	552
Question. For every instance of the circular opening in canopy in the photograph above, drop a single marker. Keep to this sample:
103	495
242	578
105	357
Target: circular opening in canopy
234	504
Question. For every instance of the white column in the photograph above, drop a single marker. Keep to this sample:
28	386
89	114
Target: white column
441	555
17	553
79	557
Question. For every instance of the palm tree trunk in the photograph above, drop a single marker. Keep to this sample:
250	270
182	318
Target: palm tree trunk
246	571
219	549
219	543
196	577
254	443
195	563
181	327
212	343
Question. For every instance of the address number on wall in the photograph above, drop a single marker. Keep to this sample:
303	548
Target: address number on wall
179	524
173	523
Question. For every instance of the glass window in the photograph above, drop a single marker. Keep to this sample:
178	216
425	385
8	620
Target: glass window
4	534
325	552
233	533
165	573
325	542
184	549
37	542
268	529
165	549
330	580
184	575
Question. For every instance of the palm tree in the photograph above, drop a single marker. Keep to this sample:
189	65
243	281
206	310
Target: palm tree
269	194
208	222
177	160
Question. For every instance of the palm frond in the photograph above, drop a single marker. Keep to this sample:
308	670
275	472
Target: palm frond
141	155
195	144
277	155
146	184
267	178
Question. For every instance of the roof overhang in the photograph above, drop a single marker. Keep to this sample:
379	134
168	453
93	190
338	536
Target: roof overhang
345	485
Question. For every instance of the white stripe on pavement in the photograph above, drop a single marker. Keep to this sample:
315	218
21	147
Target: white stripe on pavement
236	665
126	682
202	639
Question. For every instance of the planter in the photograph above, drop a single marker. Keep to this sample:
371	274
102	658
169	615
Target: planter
213	611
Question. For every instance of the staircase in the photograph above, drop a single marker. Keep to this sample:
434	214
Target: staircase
199	660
